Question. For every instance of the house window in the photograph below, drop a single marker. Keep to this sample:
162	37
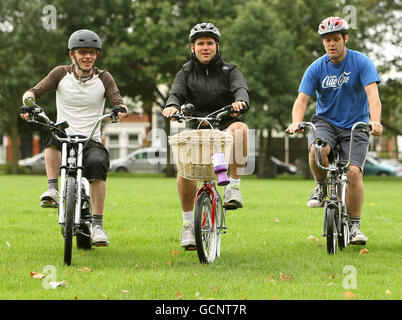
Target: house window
132	142
114	148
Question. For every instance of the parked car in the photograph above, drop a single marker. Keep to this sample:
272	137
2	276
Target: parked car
281	167
373	167
35	164
146	160
394	164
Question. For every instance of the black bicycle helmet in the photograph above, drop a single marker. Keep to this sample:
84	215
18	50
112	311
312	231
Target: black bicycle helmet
84	39
205	29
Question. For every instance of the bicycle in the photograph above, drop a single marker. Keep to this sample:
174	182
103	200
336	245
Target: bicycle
335	224
195	152
74	208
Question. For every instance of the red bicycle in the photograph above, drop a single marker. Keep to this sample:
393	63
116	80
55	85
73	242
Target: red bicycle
203	155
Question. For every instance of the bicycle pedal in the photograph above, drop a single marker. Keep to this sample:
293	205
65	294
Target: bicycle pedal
101	244
190	248
230	206
49	204
359	243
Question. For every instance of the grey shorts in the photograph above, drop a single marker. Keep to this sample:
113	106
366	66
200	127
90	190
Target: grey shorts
337	136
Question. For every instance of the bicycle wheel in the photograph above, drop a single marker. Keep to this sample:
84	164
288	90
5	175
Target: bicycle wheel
69	219
331	232
220	224
343	238
205	229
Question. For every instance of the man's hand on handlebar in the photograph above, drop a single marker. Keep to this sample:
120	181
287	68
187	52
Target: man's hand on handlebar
169	111
238	106
294	128
376	128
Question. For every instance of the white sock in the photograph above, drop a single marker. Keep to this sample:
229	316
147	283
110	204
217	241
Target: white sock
235	181
188	217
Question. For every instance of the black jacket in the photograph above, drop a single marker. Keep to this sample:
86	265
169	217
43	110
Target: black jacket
208	86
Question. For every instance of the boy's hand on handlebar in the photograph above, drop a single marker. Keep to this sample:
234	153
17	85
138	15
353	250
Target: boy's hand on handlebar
120	111
293	128
376	128
169	111
25	112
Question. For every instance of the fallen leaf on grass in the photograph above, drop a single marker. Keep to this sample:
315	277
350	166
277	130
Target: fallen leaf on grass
124	291
285	277
388	292
55	284
179	295
36	275
175	252
364	251
85	269
214	289
315	239
8	244
277	220
104	296
349	295
170	263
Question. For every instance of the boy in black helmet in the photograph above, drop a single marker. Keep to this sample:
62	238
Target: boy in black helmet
81	90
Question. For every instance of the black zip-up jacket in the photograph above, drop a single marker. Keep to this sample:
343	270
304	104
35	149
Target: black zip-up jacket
208	86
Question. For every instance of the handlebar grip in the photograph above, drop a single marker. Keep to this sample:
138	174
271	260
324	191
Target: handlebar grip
117	109
25	109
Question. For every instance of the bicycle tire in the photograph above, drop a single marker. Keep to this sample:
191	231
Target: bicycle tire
69	219
331	231
204	229
219	221
343	238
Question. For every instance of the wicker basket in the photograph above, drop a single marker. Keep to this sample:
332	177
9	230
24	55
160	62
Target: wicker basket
192	151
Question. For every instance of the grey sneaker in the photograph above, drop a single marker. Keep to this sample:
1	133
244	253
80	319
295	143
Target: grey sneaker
50	199
99	237
187	236
233	195
356	236
316	200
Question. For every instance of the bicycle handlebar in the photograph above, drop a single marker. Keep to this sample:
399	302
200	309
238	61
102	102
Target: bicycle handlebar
35	111
186	114
319	143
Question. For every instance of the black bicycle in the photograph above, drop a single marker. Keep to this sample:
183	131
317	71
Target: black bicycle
336	227
75	212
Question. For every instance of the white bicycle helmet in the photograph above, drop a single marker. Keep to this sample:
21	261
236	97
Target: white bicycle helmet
204	29
333	24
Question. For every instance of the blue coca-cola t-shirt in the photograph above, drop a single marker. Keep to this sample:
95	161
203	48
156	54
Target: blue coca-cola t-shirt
341	97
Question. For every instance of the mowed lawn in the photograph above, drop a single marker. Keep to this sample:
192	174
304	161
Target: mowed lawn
273	249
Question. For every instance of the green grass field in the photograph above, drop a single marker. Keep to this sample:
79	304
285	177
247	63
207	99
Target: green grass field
266	253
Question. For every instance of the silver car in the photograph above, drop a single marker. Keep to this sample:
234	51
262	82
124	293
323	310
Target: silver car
35	164
146	160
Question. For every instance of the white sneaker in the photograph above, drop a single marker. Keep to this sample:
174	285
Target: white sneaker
187	236
316	200
50	199
99	237
356	236
233	195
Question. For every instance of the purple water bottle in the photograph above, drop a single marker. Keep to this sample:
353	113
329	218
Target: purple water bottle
220	168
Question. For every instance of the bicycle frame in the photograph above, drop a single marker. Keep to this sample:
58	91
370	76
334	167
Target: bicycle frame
337	172
71	158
